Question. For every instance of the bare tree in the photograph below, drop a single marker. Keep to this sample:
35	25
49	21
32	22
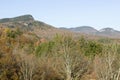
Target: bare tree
74	63
105	66
27	66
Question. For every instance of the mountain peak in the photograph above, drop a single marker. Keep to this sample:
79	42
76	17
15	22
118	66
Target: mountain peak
27	17
107	29
24	22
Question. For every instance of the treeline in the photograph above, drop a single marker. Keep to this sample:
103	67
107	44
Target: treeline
25	56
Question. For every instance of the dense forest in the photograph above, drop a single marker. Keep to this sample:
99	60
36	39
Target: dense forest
26	56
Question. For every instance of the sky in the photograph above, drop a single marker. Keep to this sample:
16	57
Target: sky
66	13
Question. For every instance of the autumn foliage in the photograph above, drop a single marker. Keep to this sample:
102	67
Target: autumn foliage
25	56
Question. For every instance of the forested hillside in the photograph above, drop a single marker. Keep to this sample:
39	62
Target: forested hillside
25	56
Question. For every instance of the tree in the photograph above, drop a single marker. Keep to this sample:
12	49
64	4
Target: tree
107	66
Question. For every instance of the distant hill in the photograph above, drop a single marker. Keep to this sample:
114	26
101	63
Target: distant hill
82	29
109	32
106	32
24	22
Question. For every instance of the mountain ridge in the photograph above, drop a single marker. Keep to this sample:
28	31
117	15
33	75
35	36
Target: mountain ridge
107	32
28	23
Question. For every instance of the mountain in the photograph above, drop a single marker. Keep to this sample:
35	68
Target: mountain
27	24
84	29
24	22
109	32
106	32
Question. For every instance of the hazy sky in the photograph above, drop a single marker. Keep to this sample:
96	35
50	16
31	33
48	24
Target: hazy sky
66	13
